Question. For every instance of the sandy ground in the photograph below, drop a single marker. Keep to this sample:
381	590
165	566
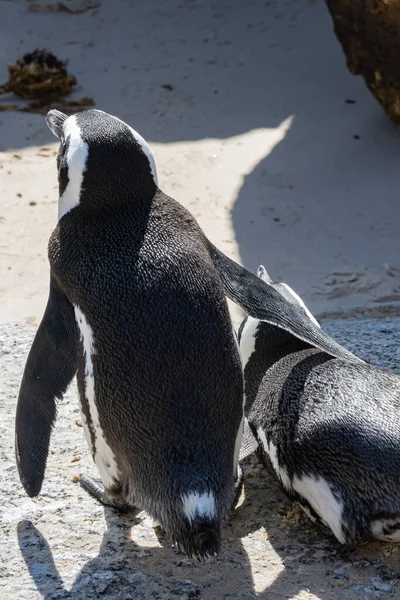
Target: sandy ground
64	545
255	138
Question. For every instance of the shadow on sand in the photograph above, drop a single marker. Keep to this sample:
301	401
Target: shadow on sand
298	558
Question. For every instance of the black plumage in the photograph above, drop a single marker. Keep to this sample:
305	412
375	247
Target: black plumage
329	426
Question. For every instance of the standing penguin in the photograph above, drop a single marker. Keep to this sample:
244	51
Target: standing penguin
137	308
328	425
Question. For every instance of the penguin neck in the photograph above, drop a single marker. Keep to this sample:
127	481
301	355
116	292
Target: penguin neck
110	195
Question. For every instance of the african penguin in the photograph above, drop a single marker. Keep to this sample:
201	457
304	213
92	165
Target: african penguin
137	308
328	426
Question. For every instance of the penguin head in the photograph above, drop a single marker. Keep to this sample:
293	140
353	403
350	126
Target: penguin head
101	161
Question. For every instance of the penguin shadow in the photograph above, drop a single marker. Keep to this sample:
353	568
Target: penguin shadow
270	550
294	214
124	570
311	560
115	572
312	196
40	562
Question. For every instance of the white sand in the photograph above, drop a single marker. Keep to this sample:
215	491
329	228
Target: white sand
256	129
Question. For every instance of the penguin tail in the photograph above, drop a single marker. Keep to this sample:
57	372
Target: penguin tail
201	538
199	532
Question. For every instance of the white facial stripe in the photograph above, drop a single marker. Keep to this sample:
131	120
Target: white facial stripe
76	160
144	146
103	455
198	505
300	301
316	490
248	339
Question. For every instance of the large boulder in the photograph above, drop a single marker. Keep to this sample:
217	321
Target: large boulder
369	32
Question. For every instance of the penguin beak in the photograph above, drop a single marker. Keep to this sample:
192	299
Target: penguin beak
55	121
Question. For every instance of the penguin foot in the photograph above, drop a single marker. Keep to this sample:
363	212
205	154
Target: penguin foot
95	488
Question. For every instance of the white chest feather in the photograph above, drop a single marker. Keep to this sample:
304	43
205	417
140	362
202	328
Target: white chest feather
102	453
319	495
239	435
315	490
248	339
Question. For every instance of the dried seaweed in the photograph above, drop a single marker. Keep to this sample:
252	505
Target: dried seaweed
41	77
38	74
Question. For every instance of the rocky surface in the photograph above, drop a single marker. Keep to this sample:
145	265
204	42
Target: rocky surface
65	545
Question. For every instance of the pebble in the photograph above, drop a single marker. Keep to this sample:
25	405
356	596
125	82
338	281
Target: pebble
381	585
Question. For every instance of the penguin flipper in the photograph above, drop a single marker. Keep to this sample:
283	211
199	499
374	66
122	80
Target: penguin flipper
261	301
51	365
